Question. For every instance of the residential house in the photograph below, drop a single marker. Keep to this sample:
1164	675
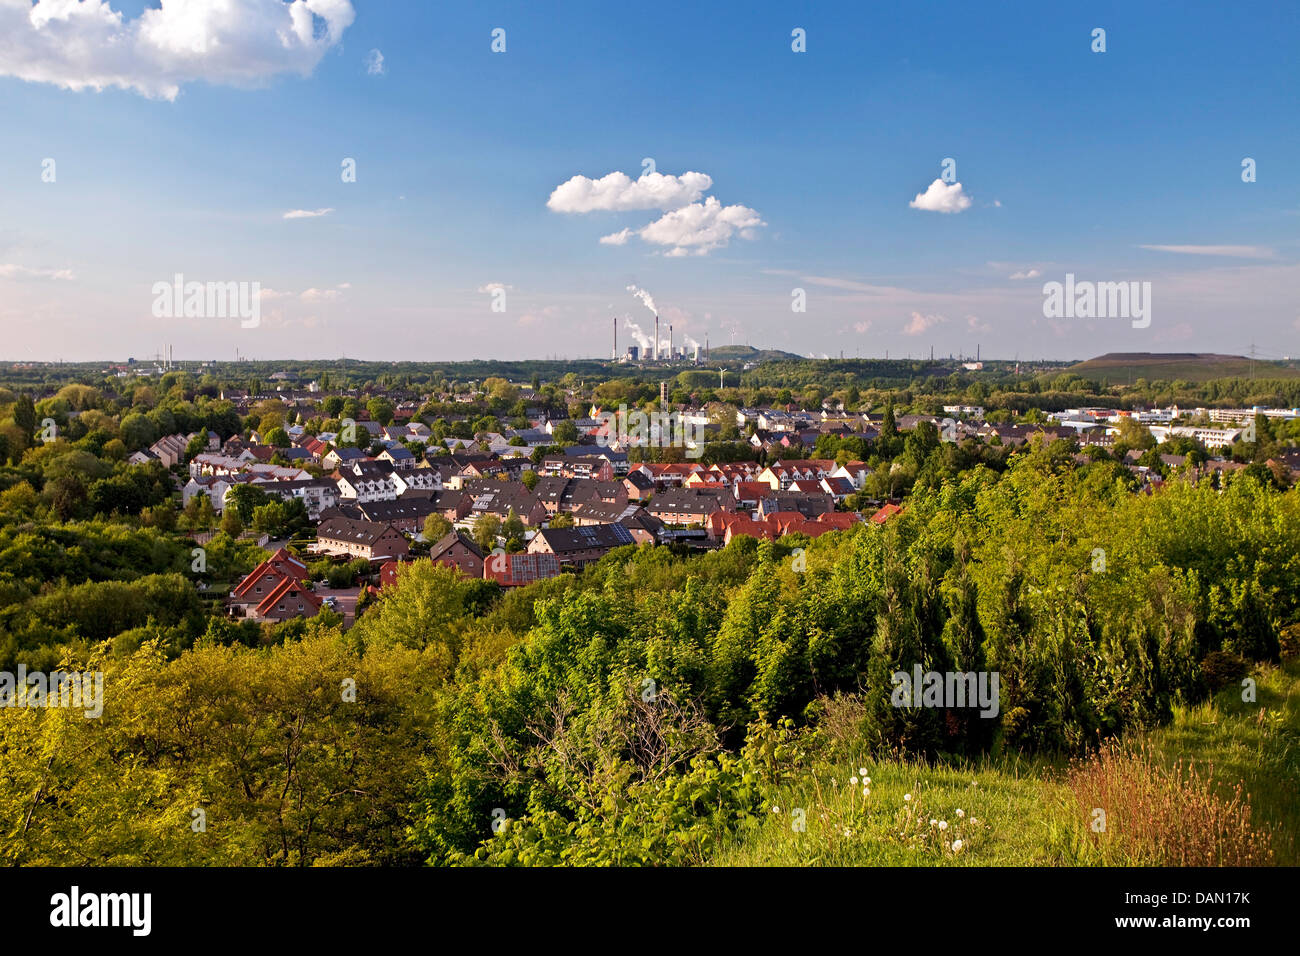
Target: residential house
516	570
580	546
371	540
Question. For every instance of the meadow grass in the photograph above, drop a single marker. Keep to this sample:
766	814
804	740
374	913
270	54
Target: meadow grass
1219	784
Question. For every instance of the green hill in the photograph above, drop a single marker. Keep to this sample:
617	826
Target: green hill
1124	367
747	353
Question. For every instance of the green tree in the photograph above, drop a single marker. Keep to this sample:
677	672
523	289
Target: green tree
486	529
436	527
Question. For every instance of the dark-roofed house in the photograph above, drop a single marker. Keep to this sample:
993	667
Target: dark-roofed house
645	527
690	505
579	546
399	456
408	512
363	481
638	485
578	466
458	550
489	496
808	504
340	456
550	492
372	540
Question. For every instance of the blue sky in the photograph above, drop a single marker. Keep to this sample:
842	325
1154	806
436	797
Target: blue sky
209	132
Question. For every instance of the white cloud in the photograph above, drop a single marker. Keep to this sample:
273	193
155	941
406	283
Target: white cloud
322	295
942	197
375	63
89	45
918	324
1236	252
493	286
698	228
862	327
307	213
688	227
11	271
1025	274
975	324
619	192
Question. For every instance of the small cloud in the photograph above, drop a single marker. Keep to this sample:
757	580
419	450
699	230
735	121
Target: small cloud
11	271
942	197
493	287
862	328
918	324
307	213
997	204
374	63
322	295
1025	274
620	192
975	324
619	238
1236	252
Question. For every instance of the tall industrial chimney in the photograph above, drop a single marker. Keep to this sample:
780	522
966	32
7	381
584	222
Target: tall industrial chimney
615	355
656	337
670	341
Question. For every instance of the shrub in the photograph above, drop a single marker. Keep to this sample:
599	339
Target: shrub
1222	669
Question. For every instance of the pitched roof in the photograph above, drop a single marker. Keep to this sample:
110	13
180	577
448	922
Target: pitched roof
356	532
565	540
445	543
288	588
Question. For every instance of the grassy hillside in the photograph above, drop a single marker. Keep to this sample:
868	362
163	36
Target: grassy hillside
747	353
1122	368
1177	793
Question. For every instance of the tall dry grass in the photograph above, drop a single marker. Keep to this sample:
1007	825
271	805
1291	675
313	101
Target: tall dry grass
1158	816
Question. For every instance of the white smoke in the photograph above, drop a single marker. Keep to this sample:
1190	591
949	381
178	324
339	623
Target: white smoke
644	296
644	341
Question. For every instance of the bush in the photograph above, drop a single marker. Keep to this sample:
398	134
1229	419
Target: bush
1222	669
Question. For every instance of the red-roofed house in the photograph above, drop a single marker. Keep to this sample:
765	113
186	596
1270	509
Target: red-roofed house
291	598
516	570
266	578
885	513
